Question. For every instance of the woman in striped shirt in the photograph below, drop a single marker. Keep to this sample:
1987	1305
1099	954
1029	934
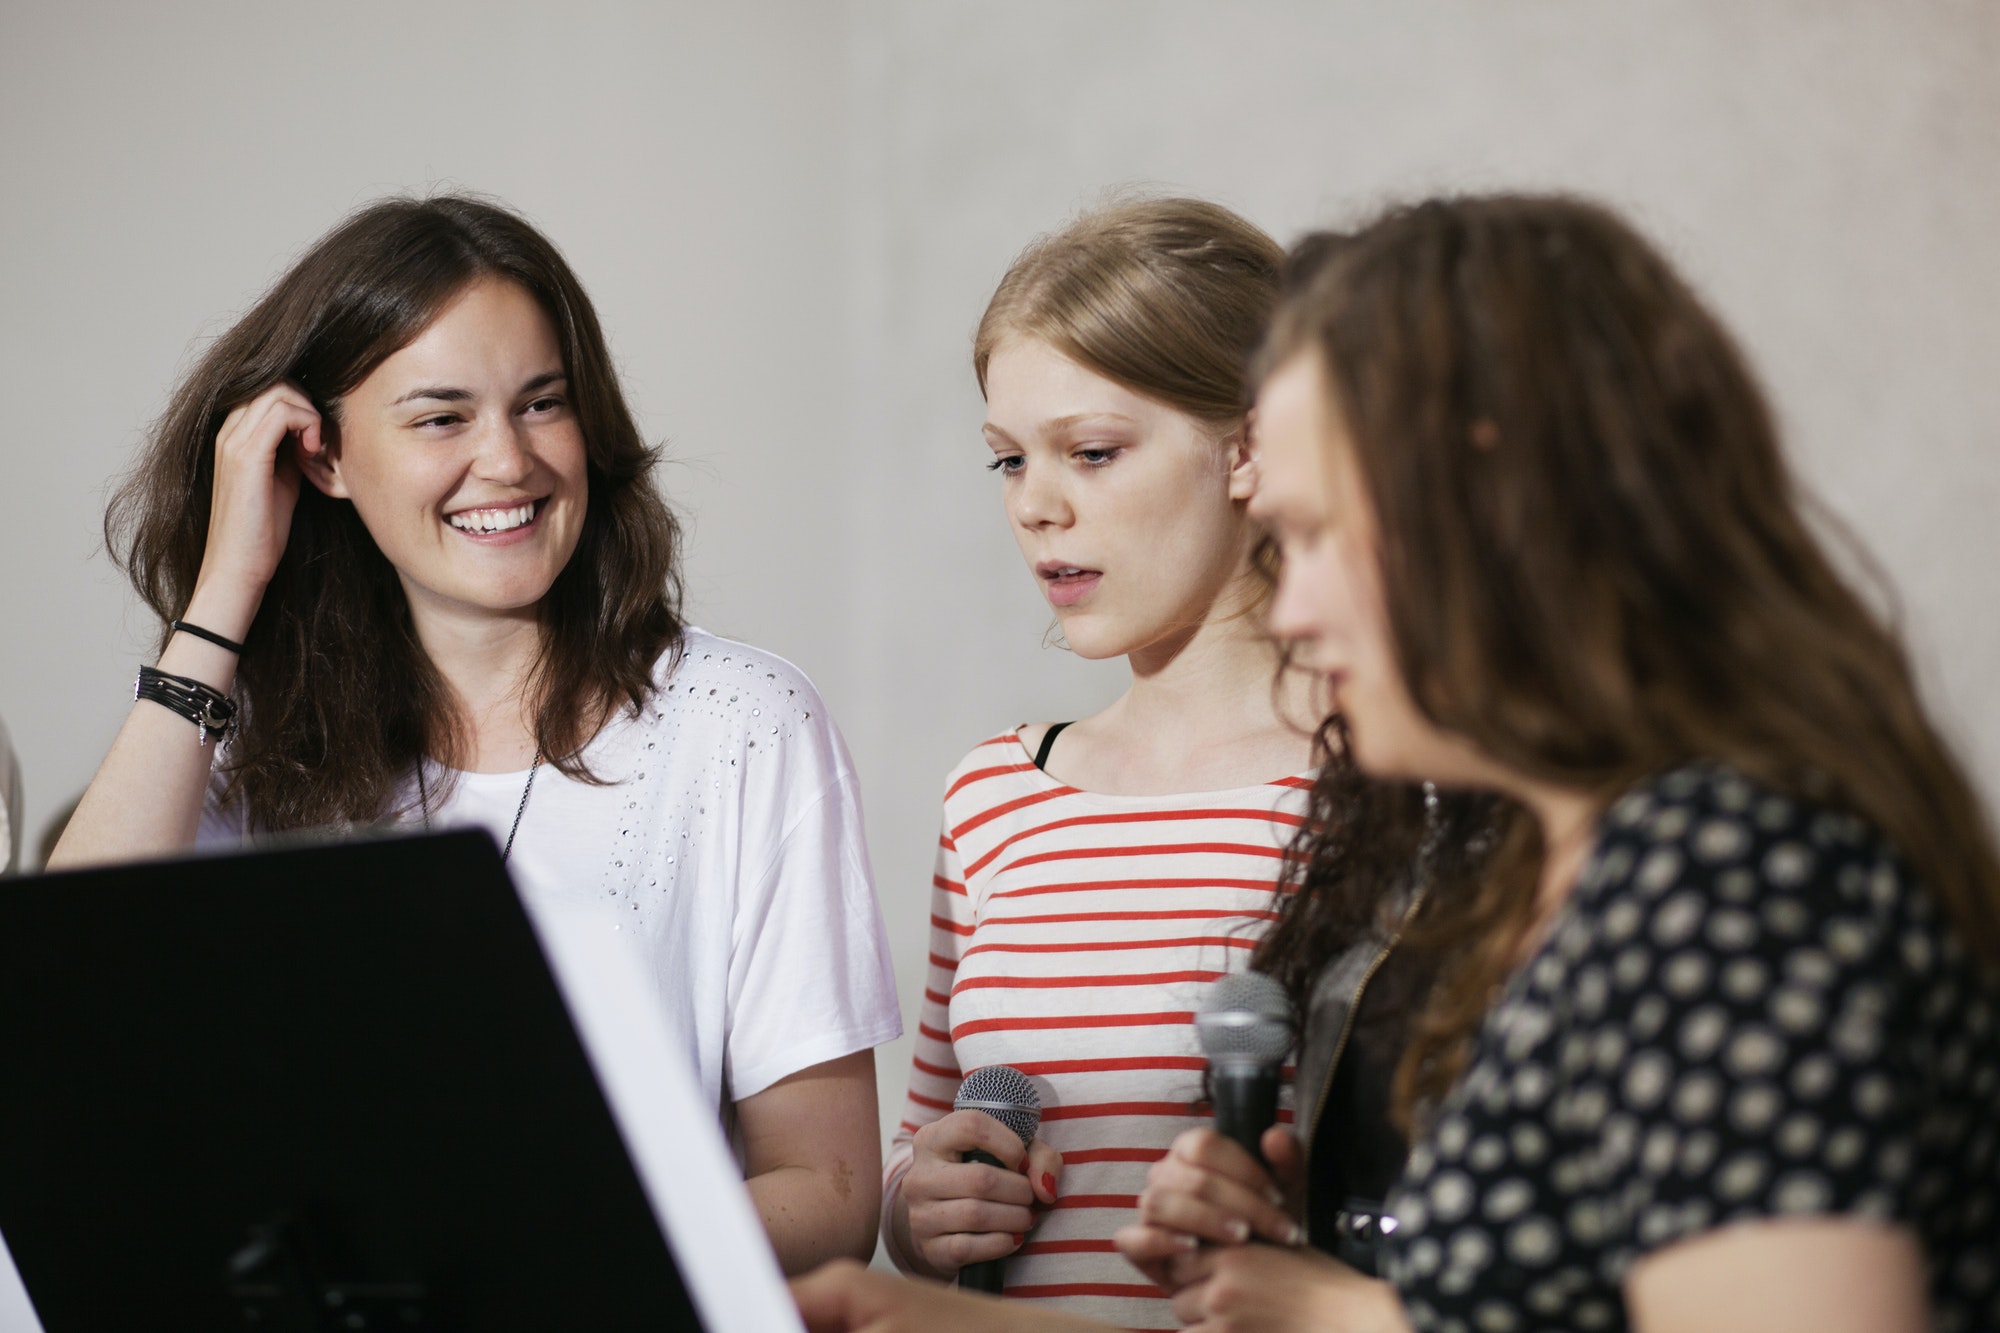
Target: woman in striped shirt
1093	879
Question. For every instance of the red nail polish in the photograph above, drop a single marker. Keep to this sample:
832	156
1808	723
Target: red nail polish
1049	1184
1018	1240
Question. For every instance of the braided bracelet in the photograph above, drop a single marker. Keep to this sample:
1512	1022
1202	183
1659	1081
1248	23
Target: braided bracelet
211	711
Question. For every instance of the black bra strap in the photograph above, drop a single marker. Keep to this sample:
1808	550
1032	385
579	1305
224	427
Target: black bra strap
1048	743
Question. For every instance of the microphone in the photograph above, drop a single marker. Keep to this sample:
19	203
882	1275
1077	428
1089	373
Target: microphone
1004	1093
1245	1028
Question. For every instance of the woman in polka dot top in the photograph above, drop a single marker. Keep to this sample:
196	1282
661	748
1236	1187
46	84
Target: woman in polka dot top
1717	1044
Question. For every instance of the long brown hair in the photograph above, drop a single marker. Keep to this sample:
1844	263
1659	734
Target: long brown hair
339	701
1594	559
1168	297
1367	844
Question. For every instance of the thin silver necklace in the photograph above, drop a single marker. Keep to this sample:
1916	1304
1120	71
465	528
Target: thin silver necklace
527	788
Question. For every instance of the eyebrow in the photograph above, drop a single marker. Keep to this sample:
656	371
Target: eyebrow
1064	423
444	393
1090	418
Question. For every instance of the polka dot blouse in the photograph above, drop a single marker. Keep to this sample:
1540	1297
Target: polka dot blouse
1746	1010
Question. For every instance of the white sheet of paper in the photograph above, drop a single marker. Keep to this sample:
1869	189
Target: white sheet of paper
674	1139
16	1314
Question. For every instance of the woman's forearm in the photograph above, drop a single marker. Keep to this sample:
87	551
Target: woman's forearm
146	797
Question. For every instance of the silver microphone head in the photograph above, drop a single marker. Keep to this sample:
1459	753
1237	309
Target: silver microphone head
1245	1019
1006	1094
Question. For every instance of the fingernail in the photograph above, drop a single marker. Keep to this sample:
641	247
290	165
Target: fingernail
1049	1185
1187	1242
1276	1197
1239	1231
1018	1240
1294	1236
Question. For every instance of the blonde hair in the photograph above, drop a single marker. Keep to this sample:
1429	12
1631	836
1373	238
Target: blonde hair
1167	296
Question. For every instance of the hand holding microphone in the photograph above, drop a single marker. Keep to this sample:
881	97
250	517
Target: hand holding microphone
1242	1179
975	1178
1003	1092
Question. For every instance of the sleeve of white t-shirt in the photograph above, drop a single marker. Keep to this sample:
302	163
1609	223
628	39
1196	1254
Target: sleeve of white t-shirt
809	972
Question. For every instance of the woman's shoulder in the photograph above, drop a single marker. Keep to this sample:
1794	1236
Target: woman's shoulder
716	693
705	672
997	768
1029	735
1712	816
1706	855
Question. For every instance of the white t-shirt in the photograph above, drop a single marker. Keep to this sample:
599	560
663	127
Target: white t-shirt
727	846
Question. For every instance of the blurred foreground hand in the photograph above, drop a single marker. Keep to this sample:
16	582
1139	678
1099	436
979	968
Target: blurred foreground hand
845	1297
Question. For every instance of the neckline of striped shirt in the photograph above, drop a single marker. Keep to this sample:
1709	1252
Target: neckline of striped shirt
1024	766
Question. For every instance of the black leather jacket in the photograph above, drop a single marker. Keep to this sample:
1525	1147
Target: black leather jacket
1350	1228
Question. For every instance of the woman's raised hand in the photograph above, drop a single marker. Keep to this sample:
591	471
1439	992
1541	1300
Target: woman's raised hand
257	481
952	1212
147	796
1208	1189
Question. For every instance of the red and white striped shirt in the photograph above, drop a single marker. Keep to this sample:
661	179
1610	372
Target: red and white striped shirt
1072	936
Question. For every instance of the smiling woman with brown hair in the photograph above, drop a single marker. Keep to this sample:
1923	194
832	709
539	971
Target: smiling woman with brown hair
401	530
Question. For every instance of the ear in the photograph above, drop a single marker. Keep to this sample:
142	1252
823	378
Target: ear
1240	449
321	467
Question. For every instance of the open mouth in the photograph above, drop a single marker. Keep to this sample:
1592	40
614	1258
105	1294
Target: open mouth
502	518
1067	584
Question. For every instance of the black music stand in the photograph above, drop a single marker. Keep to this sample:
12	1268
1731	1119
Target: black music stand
315	1088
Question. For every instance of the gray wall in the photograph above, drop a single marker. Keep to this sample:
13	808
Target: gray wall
791	215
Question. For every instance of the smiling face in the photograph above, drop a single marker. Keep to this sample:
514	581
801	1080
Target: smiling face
1130	513
1329	603
463	457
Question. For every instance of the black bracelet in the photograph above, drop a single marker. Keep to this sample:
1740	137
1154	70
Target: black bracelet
208	634
212	712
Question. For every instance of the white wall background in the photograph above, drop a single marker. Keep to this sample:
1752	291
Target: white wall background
791	214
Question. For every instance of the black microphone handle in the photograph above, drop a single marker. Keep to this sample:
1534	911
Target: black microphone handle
1246	1104
988	1275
